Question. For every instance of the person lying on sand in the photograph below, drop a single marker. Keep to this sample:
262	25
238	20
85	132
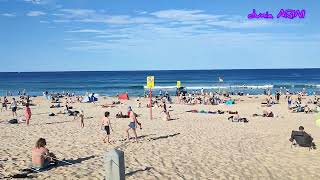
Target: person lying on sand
265	114
121	115
233	112
298	108
41	157
56	105
108	106
236	118
307	109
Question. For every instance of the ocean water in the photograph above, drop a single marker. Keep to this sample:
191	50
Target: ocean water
112	82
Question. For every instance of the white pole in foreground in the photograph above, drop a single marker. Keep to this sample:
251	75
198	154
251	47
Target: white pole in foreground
114	165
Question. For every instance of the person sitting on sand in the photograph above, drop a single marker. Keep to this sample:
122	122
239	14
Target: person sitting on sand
41	157
308	140
267	114
106	125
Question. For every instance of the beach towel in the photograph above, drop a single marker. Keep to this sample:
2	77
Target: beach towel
229	102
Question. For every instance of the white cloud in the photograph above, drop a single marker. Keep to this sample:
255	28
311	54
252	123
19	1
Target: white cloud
185	15
39	2
45	22
8	14
87	31
170	17
76	13
144	28
35	13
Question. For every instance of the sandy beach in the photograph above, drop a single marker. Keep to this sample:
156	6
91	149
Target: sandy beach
192	146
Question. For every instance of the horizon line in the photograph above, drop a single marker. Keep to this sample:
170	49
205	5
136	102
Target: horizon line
156	70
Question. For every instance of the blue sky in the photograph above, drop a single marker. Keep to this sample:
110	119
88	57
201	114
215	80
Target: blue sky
62	35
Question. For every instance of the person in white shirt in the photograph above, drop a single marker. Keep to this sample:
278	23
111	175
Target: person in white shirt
13	106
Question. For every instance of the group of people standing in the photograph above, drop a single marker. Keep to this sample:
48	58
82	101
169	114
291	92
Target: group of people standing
14	106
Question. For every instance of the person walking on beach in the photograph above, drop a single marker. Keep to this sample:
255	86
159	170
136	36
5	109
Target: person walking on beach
129	113
27	113
4	103
13	107
166	112
106	125
289	102
132	125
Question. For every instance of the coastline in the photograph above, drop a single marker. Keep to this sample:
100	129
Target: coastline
212	146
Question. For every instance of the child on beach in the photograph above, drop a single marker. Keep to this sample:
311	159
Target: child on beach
106	125
27	113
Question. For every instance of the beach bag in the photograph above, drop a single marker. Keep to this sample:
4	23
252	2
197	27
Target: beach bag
13	121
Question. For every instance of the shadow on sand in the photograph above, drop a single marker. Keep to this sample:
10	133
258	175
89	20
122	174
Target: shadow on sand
28	173
139	170
165	137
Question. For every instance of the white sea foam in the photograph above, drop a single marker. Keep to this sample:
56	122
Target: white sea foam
216	87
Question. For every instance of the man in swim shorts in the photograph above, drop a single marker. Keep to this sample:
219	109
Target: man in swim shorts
133	126
106	125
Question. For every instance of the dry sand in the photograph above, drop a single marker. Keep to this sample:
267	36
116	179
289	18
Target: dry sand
193	146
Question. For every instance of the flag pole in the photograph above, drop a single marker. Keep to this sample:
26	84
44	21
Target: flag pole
150	95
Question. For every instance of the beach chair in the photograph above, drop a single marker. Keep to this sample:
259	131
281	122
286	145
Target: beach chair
302	139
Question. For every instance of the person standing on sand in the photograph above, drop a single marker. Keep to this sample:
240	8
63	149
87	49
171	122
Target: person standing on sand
133	126
27	113
166	112
13	107
289	102
4	103
81	116
106	125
